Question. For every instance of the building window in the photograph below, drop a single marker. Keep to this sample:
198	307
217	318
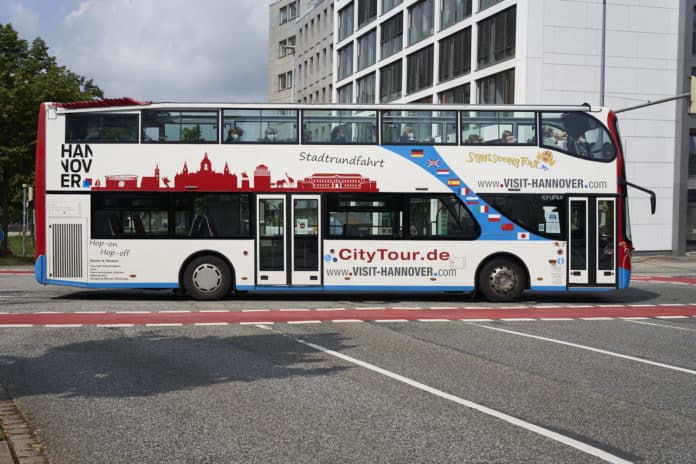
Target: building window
392	35
420	21
497	89
366	49
367	11
389	4
345	61
288	13
345	22
390	82
483	4
366	89
345	94
420	70
693	33
458	95
454	11
455	55
286	47
496	37
692	153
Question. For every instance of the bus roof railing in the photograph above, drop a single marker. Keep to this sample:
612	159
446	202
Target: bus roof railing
116	104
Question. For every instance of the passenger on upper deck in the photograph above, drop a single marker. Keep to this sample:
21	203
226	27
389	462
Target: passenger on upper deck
271	135
406	135
508	137
337	135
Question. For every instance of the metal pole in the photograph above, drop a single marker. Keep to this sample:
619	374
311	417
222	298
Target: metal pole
24	219
602	66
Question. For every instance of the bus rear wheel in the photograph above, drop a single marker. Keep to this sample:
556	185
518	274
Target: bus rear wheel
501	280
207	278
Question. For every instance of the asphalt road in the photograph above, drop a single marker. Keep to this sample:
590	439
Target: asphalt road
501	390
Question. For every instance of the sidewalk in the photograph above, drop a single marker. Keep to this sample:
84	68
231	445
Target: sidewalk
657	264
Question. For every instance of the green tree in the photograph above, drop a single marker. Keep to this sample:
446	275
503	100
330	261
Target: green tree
28	76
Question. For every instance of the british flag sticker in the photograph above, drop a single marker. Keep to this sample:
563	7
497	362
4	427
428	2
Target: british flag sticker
522	236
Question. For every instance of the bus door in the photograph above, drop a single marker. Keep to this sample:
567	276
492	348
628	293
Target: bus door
592	241
288	251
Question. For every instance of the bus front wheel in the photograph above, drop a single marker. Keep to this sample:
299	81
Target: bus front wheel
501	280
207	278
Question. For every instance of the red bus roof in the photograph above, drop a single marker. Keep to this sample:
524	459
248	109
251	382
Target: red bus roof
104	102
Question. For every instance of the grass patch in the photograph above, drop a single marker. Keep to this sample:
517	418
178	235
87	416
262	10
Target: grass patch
16	247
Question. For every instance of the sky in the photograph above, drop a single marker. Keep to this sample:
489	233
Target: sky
155	50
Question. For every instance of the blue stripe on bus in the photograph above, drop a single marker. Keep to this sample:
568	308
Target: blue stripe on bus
624	278
490	219
548	288
590	289
40	269
363	288
150	285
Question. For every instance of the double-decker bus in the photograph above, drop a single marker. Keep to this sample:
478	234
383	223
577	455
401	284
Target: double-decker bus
215	199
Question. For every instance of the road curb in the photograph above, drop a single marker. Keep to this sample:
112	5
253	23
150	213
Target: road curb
22	444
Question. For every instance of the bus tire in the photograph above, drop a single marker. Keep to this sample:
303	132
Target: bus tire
207	277
501	280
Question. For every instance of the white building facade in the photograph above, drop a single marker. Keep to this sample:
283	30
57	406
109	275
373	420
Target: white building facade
546	52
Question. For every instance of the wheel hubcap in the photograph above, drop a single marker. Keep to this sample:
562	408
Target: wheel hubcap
207	278
503	280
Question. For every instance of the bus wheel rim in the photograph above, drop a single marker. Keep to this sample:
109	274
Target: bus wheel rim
207	278
503	280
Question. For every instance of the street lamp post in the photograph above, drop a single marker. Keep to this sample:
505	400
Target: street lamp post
602	66
294	77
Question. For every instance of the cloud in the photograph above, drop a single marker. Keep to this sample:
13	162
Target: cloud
169	50
24	21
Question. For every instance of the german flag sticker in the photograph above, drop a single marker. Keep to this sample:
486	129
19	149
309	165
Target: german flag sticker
416	153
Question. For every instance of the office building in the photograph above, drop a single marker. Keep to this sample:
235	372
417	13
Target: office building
546	52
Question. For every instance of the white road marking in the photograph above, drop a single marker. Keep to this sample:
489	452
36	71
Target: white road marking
60	326
165	325
583	447
210	323
115	325
556	319
255	323
390	320
303	322
347	320
433	320
589	348
662	326
255	310
15	326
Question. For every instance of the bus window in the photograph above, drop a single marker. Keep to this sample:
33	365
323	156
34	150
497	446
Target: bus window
541	214
578	134
492	127
123	215
206	215
363	216
106	128
442	217
180	126
419	127
259	126
339	127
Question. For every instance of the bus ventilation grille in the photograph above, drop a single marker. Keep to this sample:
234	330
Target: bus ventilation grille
67	251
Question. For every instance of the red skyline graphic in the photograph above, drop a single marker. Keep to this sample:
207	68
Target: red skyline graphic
207	179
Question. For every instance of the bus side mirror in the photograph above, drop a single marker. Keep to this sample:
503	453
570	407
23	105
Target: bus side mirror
653	197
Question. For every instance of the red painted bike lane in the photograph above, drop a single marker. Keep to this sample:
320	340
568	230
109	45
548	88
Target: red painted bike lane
372	314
